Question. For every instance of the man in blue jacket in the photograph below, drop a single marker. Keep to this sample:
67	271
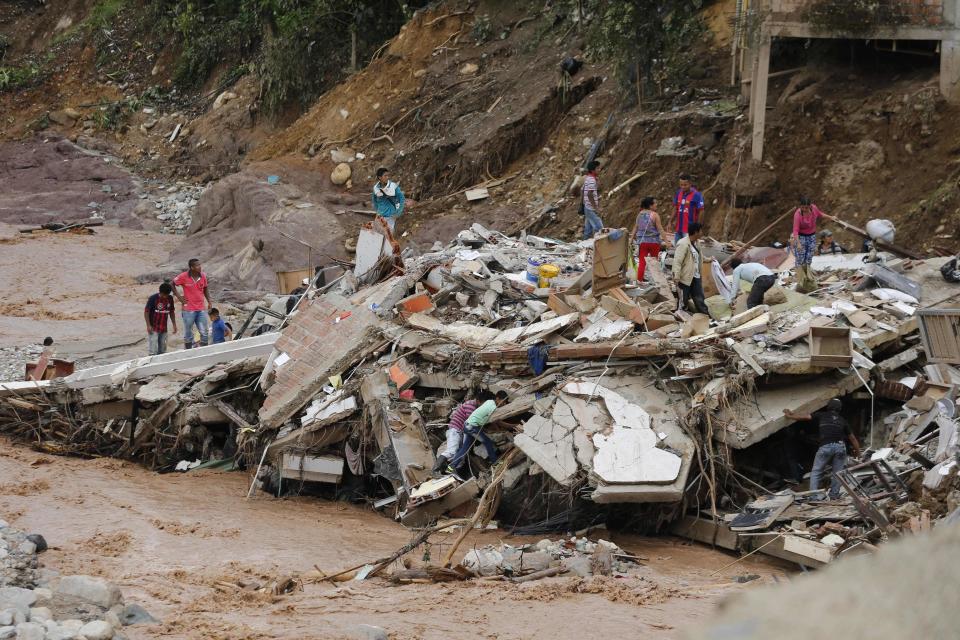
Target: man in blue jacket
388	200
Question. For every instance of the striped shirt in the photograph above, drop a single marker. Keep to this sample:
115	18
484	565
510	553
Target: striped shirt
590	185
460	415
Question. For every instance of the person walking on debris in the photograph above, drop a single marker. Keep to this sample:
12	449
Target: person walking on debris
647	234
590	203
834	431
219	329
158	309
195	300
827	245
296	294
473	430
388	199
758	275
687	269
687	207
454	435
803	240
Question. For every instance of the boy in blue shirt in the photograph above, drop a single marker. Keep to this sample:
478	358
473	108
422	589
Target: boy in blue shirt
220	329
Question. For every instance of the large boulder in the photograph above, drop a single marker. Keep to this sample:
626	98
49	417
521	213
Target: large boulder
94	590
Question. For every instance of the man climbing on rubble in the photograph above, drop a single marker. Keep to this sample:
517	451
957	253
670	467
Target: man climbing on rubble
834	432
473	430
687	207
454	435
759	277
388	199
194	302
590	204
158	309
687	270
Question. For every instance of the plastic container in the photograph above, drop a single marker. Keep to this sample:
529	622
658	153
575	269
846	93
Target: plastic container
533	269
547	273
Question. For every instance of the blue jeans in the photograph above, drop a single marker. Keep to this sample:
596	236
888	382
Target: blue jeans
834	453
202	322
591	223
470	436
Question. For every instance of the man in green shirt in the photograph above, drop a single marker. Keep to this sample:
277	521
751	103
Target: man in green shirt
473	430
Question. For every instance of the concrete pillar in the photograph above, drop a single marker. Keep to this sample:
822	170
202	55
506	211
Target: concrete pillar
748	73
758	100
950	71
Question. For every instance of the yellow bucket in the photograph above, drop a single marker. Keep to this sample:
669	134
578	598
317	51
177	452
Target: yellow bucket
547	273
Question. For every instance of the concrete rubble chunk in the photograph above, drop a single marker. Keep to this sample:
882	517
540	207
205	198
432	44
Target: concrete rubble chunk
97	630
16	597
94	590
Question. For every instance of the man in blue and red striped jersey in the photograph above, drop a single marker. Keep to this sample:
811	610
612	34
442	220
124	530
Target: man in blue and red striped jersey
687	207
158	310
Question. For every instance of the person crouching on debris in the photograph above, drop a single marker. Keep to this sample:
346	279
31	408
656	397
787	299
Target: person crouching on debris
158	309
454	436
759	277
194	302
473	430
590	204
687	269
220	331
647	235
834	431
388	200
803	240
827	245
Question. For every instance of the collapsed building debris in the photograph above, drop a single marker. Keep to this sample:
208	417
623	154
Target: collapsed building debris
614	395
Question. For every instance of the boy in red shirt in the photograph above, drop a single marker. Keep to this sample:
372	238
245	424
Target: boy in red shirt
159	307
195	300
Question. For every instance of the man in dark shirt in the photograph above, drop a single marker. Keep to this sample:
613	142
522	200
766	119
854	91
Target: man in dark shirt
158	309
834	431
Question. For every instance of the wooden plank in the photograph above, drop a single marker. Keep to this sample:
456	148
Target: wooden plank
801	330
746	356
655	273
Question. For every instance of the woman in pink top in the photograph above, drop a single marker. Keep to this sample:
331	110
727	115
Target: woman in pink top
803	240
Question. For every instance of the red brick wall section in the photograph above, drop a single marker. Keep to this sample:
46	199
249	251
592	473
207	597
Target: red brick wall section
319	346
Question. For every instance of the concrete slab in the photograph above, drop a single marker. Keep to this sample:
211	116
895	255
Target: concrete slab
550	445
196	359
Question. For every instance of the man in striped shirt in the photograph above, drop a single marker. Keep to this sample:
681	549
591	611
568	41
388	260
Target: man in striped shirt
688	207
455	433
592	223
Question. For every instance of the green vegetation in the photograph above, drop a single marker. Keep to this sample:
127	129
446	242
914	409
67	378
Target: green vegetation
19	77
104	13
655	37
299	47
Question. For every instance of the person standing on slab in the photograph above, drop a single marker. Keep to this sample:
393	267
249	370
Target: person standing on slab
687	270
834	432
388	199
759	277
592	224
194	299
803	241
647	235
158	310
687	207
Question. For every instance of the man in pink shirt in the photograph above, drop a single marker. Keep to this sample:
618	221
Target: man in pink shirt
191	288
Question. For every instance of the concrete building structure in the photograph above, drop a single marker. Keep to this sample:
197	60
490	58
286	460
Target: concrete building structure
760	21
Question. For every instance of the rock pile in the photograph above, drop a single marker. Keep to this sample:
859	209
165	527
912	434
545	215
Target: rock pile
172	207
37	604
13	361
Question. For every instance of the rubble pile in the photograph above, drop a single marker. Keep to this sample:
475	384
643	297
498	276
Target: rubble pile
614	395
40	604
172	207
